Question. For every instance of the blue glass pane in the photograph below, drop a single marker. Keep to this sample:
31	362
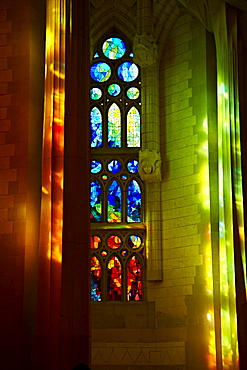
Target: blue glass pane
96	201
95	93
96	166
134	202
114	166
114	89
132	166
95	279
100	72
114	202
128	71
114	48
96	127
96	55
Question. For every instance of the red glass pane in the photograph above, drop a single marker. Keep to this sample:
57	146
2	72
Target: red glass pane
134	280
95	242
114	242
95	279
114	280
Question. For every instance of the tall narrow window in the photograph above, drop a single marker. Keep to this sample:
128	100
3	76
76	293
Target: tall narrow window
118	234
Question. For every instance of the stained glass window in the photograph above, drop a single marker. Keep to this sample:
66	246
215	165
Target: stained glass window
133	93
117	241
134	280
114	126
95	166
95	279
114	202
114	280
96	127
114	89
132	166
128	71
134	202
96	93
96	201
114	48
100	72
133	128
114	242
114	166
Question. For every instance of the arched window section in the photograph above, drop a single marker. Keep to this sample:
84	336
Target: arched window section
118	233
134	279
114	202
96	201
133	128
134	199
114	126
114	279
95	279
96	127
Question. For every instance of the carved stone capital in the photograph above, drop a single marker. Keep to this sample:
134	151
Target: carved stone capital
145	50
150	165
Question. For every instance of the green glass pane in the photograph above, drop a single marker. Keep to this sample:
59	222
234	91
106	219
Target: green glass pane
133	128
133	93
114	48
114	126
95	93
114	89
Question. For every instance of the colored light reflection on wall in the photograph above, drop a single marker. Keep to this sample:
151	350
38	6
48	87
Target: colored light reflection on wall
205	201
53	136
226	154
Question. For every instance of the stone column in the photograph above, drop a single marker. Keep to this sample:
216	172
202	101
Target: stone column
63	318
146	55
75	323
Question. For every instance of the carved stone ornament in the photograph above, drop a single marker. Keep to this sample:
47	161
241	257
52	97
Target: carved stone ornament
145	50
150	165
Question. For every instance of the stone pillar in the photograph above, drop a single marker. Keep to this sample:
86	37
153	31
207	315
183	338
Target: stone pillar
146	55
75	323
63	319
21	107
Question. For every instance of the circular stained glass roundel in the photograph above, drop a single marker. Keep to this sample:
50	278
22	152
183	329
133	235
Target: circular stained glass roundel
114	166
100	72
132	166
128	71
134	241
95	93
133	93
114	89
114	242
114	48
96	166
